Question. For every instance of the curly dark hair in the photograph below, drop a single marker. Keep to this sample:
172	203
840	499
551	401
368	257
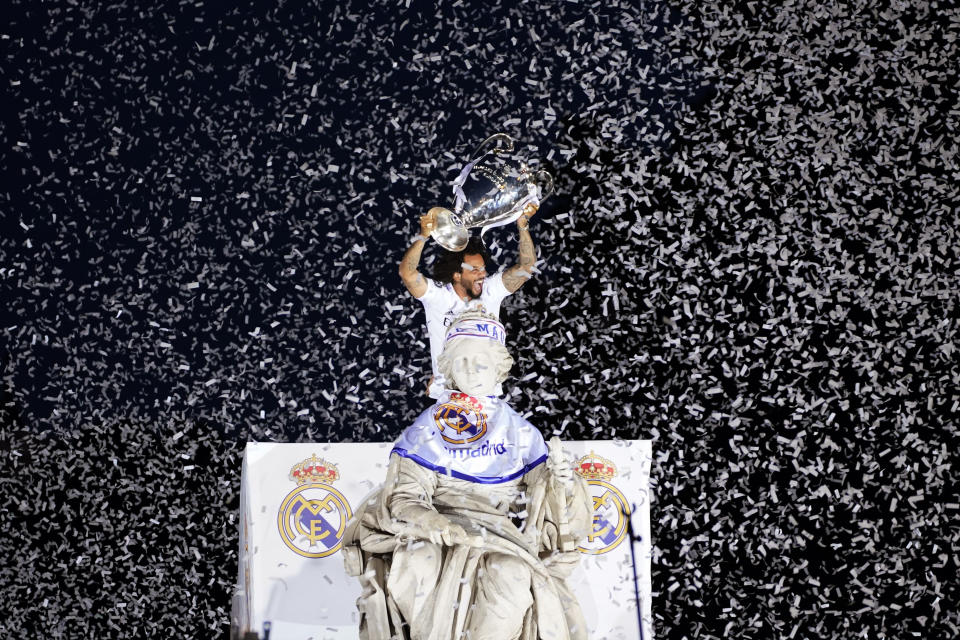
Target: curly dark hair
450	262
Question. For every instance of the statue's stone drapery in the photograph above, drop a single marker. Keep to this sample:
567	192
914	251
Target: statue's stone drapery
492	578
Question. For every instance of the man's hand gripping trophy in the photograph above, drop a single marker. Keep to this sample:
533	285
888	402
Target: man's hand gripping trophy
428	221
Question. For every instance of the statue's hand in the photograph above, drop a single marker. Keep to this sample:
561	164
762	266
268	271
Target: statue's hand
441	531
563	473
559	466
453	534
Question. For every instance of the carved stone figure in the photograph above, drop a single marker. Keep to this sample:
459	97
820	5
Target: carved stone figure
475	529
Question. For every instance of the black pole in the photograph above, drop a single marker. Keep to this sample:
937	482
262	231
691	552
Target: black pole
633	560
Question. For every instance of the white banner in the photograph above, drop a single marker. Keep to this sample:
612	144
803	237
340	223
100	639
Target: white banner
291	577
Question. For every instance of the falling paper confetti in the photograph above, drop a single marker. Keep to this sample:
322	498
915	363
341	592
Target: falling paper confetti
751	257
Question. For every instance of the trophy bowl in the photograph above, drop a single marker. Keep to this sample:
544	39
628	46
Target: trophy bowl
448	232
492	190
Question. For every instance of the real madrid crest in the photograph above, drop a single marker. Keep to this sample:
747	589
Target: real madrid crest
610	507
313	517
461	420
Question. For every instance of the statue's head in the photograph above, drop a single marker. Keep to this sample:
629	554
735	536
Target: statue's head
475	359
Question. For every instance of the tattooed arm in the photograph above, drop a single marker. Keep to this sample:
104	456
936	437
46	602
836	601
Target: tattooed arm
412	278
515	276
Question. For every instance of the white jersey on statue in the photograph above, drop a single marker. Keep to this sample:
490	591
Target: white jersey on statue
480	440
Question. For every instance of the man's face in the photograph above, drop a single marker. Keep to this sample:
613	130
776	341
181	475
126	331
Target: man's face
472	275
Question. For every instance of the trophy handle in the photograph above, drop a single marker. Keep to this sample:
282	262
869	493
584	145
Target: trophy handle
543	181
497	143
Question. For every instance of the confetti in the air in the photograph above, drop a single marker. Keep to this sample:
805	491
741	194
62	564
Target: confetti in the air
751	257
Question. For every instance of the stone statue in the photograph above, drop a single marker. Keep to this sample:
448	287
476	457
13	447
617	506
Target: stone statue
475	529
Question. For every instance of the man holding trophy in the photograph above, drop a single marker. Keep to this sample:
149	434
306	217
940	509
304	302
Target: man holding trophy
498	192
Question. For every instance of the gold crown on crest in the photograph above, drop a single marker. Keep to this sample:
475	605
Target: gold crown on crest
467	401
314	470
594	467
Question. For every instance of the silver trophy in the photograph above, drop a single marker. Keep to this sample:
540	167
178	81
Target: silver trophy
492	190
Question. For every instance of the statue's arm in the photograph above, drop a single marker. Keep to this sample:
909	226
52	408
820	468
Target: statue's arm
580	508
415	282
560	502
515	276
411	503
412	494
411	500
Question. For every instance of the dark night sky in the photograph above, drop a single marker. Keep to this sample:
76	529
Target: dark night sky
751	259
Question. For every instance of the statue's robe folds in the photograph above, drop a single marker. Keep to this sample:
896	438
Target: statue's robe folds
507	581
